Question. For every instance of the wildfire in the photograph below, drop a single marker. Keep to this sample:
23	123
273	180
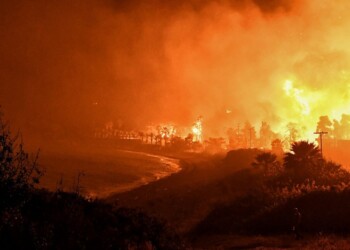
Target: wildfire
167	131
197	130
297	94
303	106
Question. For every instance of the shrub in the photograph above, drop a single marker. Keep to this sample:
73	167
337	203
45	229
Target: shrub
18	171
68	221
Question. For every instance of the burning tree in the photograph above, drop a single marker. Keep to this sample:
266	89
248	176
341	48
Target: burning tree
165	133
266	135
197	130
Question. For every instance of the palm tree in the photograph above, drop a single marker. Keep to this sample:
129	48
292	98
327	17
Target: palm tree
304	157
267	161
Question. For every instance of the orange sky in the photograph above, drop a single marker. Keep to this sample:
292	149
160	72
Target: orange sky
155	61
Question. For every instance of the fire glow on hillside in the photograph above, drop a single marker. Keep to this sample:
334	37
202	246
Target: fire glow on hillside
283	62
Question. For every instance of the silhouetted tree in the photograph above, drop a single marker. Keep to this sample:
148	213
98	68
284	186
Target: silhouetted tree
277	147
189	139
158	139
324	124
178	144
233	141
151	136
215	145
141	136
293	132
236	138
267	161
303	158
249	134
165	135
336	130
345	126
266	135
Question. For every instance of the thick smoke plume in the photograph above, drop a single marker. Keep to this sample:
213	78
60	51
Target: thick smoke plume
66	67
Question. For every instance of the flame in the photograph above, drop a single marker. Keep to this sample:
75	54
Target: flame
197	130
302	106
297	111
166	131
297	94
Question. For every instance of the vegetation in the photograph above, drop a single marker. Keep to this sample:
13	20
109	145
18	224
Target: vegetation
268	162
18	171
248	192
303	159
319	188
68	221
33	218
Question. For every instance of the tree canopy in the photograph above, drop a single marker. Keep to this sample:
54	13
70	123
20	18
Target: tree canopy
304	157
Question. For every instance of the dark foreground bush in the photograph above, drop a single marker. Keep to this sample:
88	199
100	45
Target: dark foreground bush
68	221
19	172
233	217
322	211
241	158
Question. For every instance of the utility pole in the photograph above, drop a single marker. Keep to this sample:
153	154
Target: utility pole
321	133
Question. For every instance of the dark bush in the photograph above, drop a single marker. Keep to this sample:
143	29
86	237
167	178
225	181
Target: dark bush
322	211
68	221
241	158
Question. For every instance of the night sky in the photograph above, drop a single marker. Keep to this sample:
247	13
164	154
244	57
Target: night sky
69	66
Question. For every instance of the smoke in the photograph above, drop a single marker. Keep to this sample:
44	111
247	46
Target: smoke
66	67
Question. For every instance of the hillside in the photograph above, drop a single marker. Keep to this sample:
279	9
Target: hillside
223	202
185	198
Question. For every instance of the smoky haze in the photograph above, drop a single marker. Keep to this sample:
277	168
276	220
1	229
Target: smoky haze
67	67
